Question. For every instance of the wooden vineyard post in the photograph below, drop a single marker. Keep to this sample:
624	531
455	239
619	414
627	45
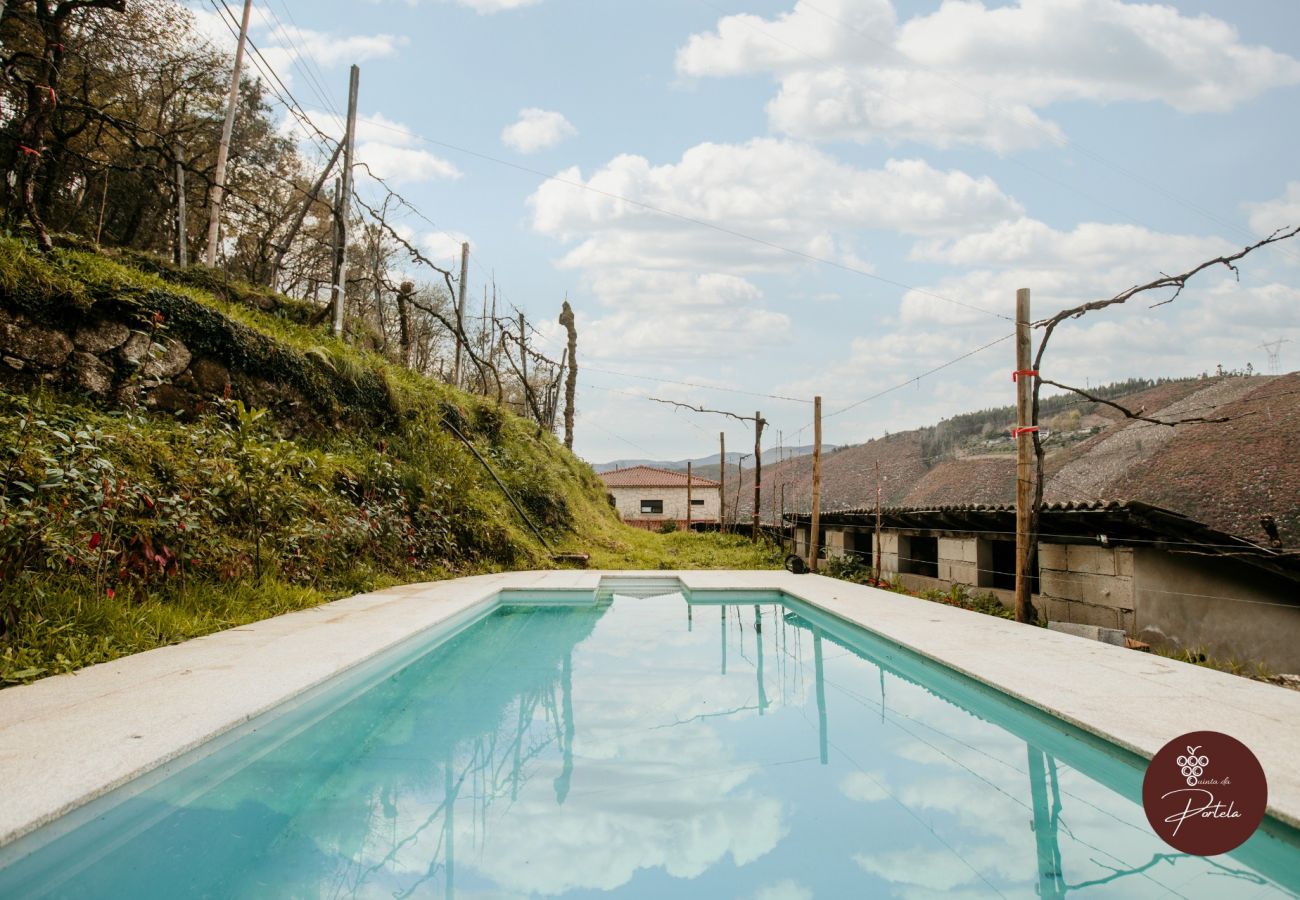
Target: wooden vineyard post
689	496
1024	456
345	203
460	311
876	553
814	541
758	471
722	481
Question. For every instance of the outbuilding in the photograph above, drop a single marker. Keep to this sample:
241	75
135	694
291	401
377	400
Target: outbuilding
647	497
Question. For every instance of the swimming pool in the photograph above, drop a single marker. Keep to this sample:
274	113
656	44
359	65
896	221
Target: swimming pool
719	744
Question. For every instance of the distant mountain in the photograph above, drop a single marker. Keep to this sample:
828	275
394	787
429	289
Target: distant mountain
703	463
1225	474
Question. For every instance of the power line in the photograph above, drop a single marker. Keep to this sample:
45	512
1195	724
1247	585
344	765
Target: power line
917	378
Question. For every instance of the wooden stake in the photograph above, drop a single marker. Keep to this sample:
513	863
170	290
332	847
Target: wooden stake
345	202
689	496
875	556
758	471
523	360
814	544
460	311
1024	458
223	148
722	481
571	377
181	256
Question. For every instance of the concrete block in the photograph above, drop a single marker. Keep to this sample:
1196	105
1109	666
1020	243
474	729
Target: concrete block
950	548
1059	584
1056	610
1091	560
1091	632
1106	591
966	573
970	550
1124	561
1127	621
1052	556
1088	614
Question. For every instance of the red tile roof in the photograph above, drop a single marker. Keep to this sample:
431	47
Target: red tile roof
649	476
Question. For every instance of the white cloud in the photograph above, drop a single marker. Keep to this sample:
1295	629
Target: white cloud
863	787
486	7
443	247
968	73
283	45
672	287
404	164
786	889
1216	320
1280	212
386	146
537	129
780	192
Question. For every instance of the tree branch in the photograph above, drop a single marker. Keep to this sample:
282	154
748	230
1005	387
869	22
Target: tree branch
1130	414
701	409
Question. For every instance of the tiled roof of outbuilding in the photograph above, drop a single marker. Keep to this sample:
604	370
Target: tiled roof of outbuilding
649	476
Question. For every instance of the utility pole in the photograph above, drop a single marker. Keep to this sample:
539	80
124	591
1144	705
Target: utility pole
758	470
815	541
689	496
180	257
722	481
875	556
345	202
223	149
460	313
1024	455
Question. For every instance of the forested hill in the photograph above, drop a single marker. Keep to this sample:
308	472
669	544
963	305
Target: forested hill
1226	474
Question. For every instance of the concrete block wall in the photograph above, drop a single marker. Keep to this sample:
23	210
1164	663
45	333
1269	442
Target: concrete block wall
1087	585
959	560
888	554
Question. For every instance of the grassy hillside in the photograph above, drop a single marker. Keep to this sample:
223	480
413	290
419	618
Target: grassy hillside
144	505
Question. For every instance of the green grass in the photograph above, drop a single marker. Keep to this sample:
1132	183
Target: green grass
122	530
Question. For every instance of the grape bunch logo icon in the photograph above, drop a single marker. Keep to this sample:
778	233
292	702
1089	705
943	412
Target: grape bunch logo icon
1193	766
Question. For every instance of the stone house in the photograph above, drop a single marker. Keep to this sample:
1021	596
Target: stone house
1158	576
646	497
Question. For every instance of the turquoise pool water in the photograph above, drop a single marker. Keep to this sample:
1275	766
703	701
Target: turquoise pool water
731	747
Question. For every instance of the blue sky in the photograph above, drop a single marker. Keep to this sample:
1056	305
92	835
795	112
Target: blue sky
962	149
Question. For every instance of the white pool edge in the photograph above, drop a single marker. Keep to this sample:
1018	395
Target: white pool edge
69	739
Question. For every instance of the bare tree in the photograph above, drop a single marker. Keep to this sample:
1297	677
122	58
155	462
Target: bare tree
1174	283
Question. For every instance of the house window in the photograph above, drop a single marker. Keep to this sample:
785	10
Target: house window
695	502
652	507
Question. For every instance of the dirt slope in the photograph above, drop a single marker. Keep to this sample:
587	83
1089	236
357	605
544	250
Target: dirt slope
1226	474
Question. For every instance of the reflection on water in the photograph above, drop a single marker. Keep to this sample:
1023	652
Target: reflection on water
630	749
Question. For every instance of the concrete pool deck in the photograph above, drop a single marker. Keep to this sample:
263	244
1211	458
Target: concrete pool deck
69	739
